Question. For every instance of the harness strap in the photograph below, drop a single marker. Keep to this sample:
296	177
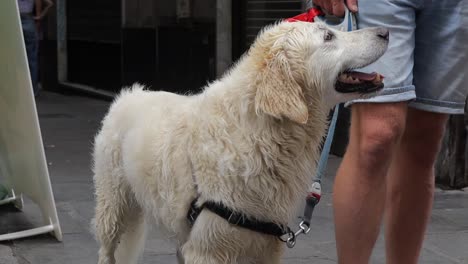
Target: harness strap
237	219
193	212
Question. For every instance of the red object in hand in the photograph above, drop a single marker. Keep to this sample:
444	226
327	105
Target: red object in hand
308	16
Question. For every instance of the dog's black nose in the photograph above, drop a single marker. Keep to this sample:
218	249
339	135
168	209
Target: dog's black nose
383	33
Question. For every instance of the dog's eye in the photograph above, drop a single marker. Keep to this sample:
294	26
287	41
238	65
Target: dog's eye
328	36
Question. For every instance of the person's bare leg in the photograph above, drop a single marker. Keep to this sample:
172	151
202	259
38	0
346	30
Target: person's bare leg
359	189
410	186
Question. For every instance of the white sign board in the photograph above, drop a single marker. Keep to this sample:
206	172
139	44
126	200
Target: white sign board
22	159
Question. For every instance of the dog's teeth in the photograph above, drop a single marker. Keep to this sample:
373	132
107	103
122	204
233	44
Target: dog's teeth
378	79
343	77
353	79
347	78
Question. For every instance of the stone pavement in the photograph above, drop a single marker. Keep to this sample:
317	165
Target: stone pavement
68	124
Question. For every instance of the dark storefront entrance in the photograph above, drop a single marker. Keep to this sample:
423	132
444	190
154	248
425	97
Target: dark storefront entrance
168	45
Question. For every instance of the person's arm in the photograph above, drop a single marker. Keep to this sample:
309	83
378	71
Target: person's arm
336	7
40	11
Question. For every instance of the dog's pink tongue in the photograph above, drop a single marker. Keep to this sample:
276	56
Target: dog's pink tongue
363	76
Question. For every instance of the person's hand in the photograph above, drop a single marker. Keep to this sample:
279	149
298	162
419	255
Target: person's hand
336	7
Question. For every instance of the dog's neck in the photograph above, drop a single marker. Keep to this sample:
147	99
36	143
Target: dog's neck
286	147
235	93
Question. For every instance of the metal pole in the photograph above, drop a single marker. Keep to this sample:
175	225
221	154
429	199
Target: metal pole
62	54
223	36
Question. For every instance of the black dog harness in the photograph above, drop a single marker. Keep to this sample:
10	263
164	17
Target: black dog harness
238	219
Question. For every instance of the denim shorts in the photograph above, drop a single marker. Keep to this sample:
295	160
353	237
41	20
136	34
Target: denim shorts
427	59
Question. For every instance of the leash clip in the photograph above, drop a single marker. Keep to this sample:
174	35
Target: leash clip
304	228
291	241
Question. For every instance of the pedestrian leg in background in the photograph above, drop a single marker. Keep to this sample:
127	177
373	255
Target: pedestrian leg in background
32	43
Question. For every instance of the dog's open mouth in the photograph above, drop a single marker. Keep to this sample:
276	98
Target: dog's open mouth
359	82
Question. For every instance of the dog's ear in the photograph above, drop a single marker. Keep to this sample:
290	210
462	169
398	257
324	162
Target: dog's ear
278	93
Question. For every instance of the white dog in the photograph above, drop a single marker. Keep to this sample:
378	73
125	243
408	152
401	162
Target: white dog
248	142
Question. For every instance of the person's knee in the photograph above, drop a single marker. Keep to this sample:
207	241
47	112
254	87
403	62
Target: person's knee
377	142
377	135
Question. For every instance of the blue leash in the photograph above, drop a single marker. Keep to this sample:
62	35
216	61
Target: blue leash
322	164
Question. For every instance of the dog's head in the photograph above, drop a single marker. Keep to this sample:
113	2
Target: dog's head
301	63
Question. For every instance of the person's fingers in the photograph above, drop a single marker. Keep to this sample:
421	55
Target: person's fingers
352	5
338	8
317	2
325	5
